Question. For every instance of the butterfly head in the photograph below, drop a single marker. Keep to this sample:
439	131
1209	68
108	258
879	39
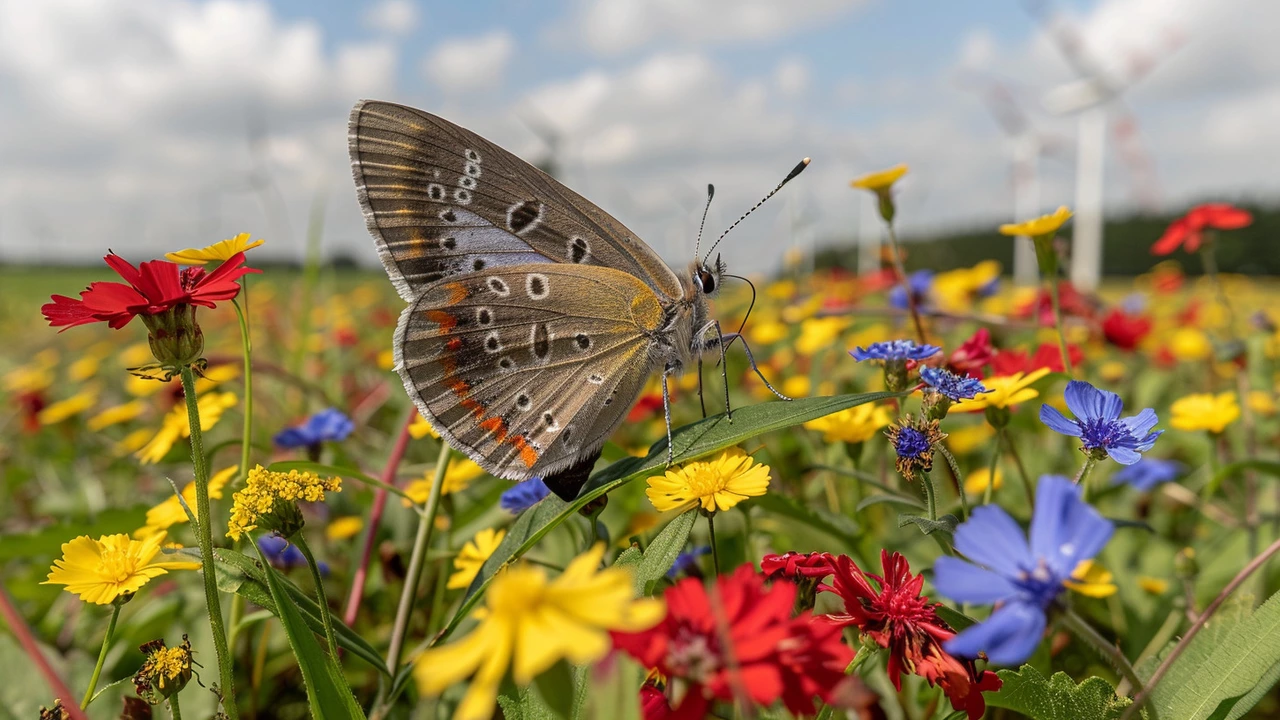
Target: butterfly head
706	278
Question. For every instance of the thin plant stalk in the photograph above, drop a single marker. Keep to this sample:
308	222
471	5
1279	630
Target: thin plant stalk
1022	469
102	656
958	478
174	709
321	599
1200	622
246	433
1057	323
993	467
906	283
1087	634
711	535
204	534
1082	477
426	523
930	496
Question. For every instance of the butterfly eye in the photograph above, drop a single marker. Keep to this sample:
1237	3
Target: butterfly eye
707	280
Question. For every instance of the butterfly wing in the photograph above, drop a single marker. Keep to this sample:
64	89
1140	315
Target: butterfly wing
528	367
441	200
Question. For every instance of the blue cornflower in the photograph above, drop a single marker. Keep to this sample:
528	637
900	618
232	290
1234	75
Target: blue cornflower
913	442
284	555
950	385
894	350
523	495
921	283
1024	579
1099	426
687	562
1147	473
328	424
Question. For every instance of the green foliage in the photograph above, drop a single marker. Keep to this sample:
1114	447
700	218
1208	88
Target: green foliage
662	552
1058	698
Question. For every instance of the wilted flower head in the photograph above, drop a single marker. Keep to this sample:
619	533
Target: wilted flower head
164	672
913	441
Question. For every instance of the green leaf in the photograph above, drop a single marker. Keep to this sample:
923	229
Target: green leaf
689	442
1214	634
947	523
346	472
556	688
840	527
328	693
883	499
663	551
629	558
47	542
1028	692
1232	711
1266	467
527	706
1233	669
956	619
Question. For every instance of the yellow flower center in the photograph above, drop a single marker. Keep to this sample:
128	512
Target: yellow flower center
704	479
117	565
168	663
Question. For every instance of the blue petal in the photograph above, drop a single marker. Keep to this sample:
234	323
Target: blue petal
1065	529
1140	425
1149	441
1082	399
1124	455
966	582
991	538
1059	422
1008	637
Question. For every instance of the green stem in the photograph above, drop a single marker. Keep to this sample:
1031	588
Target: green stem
102	656
321	598
959	480
1022	469
906	283
1057	322
930	499
1086	633
1082	477
205	537
173	707
711	534
992	467
426	524
246	435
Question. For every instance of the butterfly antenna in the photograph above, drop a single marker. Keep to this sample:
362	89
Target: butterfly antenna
711	192
790	176
750	305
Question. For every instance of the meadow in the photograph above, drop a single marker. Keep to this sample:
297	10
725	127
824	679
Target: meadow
859	551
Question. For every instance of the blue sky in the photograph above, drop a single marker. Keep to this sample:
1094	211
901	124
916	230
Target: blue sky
126	123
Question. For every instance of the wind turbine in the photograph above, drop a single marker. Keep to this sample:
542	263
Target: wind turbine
1096	94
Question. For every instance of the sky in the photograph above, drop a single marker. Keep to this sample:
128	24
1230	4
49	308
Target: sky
146	126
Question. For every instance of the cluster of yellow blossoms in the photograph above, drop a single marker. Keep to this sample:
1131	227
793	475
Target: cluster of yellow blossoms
264	489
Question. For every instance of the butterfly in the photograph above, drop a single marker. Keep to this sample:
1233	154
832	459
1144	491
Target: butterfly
535	318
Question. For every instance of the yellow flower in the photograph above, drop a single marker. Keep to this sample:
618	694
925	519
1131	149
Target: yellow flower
966	439
955	290
531	623
472	556
1155	586
1261	402
166	670
797	386
69	408
1113	371
33	377
177	426
768	332
101	570
976	483
880	180
1005	390
219	251
83	369
852	425
344	528
715	484
256	503
169	513
1204	411
387	360
457	477
1043	225
420	428
1092	580
116	415
1190	344
819	333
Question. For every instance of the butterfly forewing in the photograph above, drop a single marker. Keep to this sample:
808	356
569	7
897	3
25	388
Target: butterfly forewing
441	200
513	366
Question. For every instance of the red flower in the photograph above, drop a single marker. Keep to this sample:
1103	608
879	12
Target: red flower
794	565
1008	362
972	355
1125	331
1073	302
774	656
1187	231
898	618
153	288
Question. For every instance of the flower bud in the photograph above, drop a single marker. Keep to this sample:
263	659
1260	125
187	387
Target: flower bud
175	337
895	375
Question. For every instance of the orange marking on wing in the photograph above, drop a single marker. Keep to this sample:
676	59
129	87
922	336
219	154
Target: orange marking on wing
446	322
528	455
474	406
457	293
454	345
496	426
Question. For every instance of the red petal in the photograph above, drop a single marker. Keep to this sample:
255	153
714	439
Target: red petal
161	282
221	284
123	268
68	312
1172	237
1221	216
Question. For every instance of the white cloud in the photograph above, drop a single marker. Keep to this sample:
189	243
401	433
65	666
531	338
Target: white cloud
617	26
791	76
393	17
470	64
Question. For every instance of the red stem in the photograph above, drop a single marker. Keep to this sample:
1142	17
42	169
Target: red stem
375	517
19	628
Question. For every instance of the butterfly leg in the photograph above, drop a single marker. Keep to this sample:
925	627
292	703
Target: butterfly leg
701	400
666	412
751	359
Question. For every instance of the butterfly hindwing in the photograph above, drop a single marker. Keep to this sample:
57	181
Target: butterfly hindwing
512	365
441	200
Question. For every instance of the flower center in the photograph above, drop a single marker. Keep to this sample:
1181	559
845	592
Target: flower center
692	656
911	443
705	481
1102	433
1039	584
116	565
